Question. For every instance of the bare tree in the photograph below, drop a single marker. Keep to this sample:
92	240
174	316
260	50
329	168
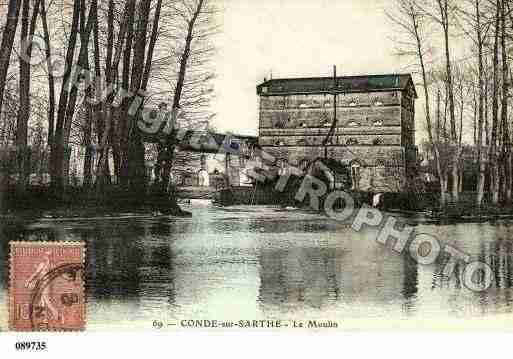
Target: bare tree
506	139
410	20
27	32
51	80
190	18
442	17
494	166
129	53
58	148
477	34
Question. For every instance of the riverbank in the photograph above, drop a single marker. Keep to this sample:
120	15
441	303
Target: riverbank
272	261
409	204
76	202
38	202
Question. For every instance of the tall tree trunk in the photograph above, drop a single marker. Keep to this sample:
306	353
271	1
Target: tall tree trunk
167	152
446	106
474	119
481	95
51	80
494	169
434	143
27	33
444	12
83	64
506	142
459	168
106	133
134	161
88	157
121	112
438	114
486	112
58	148
94	109
151	46
9	33
24	108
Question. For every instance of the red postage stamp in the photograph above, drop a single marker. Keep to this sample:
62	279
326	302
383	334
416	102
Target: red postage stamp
46	291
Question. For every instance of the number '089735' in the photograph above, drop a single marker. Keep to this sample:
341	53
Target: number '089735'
30	346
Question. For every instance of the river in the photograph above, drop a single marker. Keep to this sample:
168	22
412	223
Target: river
267	263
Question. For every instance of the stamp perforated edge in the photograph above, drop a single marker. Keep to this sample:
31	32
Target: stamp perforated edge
10	298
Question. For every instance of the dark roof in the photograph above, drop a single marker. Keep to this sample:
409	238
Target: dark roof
344	84
211	142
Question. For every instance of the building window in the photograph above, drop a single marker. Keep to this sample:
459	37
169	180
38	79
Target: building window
377	141
353	101
279	124
265	89
283	166
355	175
352	142
303	164
380	162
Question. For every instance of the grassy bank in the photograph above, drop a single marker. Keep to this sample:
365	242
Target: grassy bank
427	203
80	202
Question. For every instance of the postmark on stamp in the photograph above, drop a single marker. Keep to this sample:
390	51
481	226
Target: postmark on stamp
46	291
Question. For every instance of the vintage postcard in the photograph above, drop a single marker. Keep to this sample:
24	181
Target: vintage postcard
238	165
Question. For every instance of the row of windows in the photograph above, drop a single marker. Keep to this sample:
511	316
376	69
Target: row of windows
326	123
326	104
343	112
325	99
305	163
329	104
349	142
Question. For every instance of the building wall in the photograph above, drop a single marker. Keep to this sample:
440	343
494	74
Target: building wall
381	167
186	168
374	129
233	165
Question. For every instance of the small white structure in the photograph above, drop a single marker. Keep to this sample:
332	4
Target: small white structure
203	178
376	200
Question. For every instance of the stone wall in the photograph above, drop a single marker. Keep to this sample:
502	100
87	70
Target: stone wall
381	167
382	98
233	166
380	116
357	138
373	129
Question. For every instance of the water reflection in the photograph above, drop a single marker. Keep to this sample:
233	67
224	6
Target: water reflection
258	262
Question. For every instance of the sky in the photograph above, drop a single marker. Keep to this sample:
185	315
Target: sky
294	38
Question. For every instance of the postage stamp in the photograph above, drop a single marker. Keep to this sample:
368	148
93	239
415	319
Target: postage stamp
46	291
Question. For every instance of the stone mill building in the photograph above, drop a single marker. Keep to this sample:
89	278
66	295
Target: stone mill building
365	124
